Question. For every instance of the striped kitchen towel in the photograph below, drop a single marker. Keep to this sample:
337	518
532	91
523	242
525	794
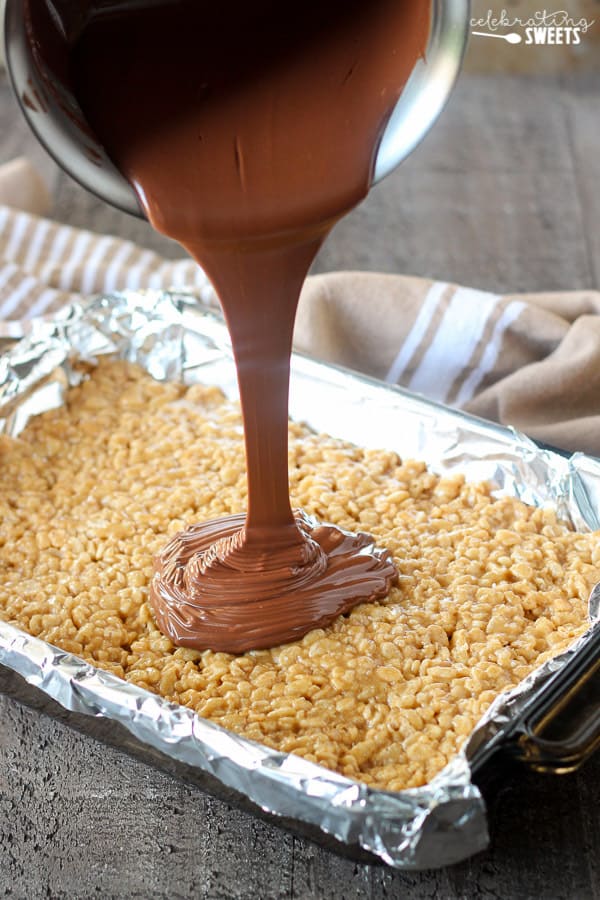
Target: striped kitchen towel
44	265
529	360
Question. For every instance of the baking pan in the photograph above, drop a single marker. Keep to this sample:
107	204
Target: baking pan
551	721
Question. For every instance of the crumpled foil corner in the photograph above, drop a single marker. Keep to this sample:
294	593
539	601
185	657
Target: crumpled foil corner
174	338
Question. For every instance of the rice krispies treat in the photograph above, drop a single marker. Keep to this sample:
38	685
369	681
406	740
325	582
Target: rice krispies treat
488	588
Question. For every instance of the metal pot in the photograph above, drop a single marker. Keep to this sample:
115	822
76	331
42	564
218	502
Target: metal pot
53	113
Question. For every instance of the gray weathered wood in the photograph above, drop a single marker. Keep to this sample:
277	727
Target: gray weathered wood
502	195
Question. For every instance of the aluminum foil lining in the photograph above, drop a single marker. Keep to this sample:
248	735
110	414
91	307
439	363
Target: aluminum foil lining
172	337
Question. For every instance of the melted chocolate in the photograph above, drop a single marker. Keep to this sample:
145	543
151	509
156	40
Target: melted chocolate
247	130
209	582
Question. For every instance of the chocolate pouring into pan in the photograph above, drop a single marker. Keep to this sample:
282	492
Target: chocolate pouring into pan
246	132
550	721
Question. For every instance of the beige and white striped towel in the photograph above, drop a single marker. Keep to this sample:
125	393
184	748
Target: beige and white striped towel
531	361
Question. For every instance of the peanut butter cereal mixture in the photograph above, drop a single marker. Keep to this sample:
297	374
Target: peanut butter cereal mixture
488	588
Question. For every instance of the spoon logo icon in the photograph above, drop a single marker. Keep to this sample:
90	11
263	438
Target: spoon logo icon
511	38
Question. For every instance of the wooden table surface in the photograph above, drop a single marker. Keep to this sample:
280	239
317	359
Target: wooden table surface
504	194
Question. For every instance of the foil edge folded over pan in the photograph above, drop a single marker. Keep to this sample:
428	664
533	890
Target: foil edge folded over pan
174	338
